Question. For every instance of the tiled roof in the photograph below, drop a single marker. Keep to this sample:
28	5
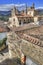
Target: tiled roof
33	35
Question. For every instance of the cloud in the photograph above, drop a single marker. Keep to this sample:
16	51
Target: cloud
39	8
7	7
19	5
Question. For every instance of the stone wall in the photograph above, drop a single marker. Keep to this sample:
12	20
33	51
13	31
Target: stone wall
34	51
17	46
13	45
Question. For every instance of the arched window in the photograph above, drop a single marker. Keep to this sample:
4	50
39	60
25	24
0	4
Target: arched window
24	21
19	22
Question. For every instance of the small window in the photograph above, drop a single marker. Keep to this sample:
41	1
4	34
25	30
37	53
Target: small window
30	13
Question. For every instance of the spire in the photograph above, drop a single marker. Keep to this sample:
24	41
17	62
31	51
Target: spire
26	8
33	5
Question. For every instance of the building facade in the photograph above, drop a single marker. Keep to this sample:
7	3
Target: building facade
29	15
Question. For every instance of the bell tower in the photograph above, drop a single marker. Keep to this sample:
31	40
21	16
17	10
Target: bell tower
13	11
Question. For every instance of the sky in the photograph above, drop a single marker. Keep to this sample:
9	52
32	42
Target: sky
7	4
38	3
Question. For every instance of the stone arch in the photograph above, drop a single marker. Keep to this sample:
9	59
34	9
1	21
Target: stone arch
24	20
28	20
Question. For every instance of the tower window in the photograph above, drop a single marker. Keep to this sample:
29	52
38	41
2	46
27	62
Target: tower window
30	13
14	20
